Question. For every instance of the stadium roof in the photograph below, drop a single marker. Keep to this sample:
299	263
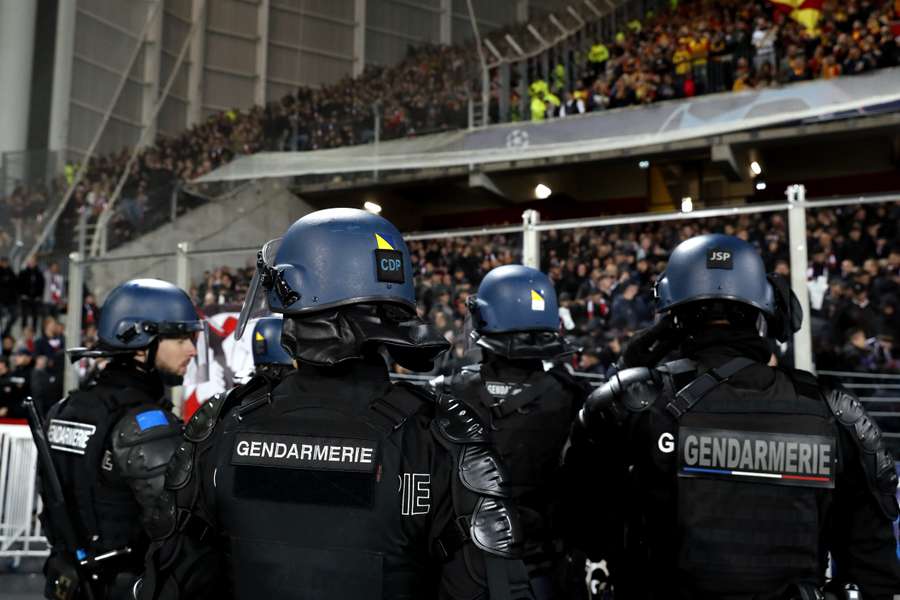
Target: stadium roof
625	131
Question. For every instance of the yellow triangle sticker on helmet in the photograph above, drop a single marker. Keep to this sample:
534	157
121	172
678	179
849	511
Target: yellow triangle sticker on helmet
537	301
383	244
259	337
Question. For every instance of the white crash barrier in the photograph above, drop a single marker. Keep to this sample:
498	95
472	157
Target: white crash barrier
20	529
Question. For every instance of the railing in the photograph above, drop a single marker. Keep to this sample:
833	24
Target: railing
20	530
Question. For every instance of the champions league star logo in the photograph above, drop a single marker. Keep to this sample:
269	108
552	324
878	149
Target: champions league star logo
517	139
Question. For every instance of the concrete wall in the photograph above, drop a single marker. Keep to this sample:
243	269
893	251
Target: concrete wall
243	53
246	219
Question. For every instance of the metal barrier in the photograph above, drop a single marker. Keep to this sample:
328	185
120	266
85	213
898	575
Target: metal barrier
20	529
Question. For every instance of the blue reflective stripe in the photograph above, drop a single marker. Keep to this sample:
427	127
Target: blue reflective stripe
150	419
699	470
896	527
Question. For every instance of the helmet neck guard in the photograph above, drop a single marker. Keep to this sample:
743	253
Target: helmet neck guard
525	345
330	337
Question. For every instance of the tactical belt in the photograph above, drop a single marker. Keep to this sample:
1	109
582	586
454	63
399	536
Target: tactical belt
688	396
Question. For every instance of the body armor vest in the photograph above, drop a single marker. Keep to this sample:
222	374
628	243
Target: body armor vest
103	509
333	489
751	470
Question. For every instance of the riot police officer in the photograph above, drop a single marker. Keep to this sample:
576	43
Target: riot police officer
338	484
515	320
737	478
112	440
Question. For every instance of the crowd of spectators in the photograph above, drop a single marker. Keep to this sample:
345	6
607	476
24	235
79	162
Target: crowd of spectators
604	278
705	47
694	48
32	340
23	214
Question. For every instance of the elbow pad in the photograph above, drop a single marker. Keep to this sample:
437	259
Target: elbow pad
482	489
877	462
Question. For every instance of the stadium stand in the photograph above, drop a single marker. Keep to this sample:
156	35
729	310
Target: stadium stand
605	278
691	49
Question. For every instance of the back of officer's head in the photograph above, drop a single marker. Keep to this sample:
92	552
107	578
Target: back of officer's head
343	280
716	280
515	316
340	257
514	298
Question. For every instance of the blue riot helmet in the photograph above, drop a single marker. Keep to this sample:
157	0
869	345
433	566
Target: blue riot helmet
514	298
722	276
266	343
330	258
343	280
141	310
715	267
516	314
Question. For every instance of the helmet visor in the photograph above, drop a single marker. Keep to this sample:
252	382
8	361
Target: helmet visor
255	304
198	368
181	329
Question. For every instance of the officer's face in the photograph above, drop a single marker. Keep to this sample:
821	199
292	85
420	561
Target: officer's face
174	354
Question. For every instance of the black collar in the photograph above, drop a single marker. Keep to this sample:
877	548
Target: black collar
122	374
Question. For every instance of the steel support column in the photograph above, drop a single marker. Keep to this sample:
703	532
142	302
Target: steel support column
796	195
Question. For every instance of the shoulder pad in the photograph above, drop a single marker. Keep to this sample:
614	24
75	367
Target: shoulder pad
482	472
495	528
629	390
877	462
457	423
143	442
850	413
203	422
639	388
